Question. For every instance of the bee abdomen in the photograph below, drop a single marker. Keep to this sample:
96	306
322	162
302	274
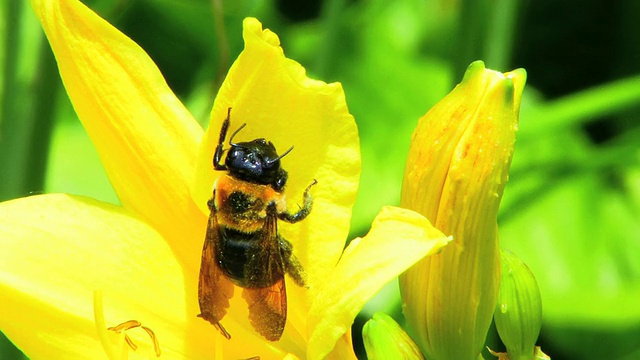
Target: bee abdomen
236	257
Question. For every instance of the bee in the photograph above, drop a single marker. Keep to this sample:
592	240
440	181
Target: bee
242	245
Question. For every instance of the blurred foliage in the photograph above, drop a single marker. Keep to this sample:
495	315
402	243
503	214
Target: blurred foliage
571	209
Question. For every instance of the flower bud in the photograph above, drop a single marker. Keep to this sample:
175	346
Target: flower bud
385	339
455	174
518	314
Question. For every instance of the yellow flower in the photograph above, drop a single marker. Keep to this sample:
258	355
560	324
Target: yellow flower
72	267
455	174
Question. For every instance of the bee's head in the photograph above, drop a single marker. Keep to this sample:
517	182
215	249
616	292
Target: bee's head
256	161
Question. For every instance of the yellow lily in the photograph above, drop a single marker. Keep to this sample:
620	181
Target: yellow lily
456	171
72	269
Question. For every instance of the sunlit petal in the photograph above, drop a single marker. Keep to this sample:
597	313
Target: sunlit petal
398	238
146	139
52	264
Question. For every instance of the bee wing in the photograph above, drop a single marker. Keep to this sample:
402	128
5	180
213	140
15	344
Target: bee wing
268	305
214	288
268	309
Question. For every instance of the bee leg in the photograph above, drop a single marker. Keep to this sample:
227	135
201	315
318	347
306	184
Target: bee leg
218	164
304	210
211	203
291	264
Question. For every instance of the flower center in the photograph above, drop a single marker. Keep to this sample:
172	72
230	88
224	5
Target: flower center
118	351
122	328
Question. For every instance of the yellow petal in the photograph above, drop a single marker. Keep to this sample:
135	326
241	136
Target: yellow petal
398	238
146	139
58	249
472	126
273	96
343	349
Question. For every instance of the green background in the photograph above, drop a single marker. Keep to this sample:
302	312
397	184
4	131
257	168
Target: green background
571	209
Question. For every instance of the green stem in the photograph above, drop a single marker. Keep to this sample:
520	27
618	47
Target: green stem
582	107
471	33
27	116
486	32
222	41
331	15
618	154
10	129
500	35
39	138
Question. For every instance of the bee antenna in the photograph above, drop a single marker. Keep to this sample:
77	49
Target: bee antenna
235	133
270	162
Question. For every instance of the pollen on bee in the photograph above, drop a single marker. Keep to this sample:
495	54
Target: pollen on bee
121	329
